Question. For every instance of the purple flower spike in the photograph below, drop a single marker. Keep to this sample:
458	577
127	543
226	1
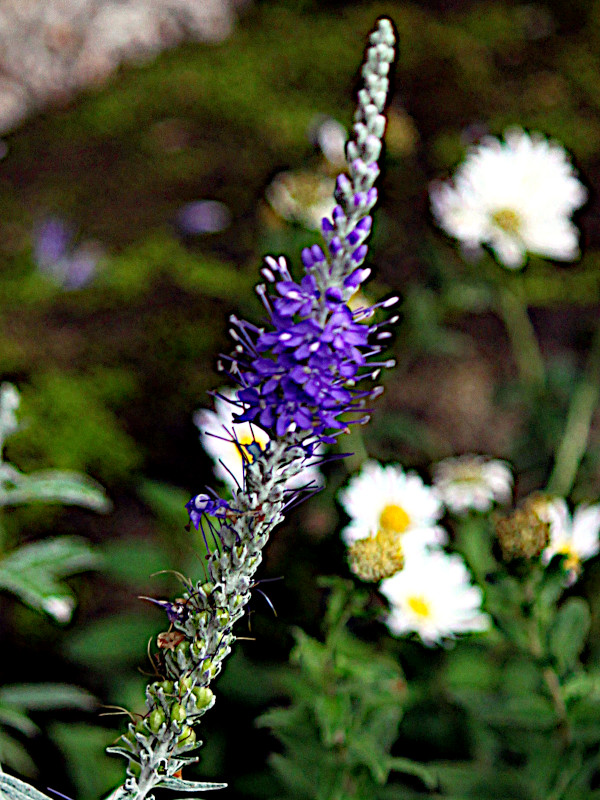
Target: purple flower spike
299	374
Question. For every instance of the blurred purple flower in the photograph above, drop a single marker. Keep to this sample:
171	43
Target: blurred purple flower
54	254
203	216
51	240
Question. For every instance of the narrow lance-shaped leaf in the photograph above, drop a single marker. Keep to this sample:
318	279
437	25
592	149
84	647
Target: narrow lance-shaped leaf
54	486
12	788
32	572
44	696
177	784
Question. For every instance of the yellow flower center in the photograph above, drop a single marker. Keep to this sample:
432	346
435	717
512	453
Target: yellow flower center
572	560
394	518
507	220
419	606
241	448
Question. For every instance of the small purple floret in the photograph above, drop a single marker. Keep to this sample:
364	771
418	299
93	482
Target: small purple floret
359	254
335	246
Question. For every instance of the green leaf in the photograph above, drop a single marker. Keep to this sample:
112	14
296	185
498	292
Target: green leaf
408	767
582	686
12	788
368	752
177	784
473	541
45	696
17	718
54	486
569	632
32	572
15	755
333	714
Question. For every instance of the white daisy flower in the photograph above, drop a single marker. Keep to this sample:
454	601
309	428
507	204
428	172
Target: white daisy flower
515	196
217	432
387	498
472	482
433	596
577	537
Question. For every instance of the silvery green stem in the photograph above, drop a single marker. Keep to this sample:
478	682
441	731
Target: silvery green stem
156	744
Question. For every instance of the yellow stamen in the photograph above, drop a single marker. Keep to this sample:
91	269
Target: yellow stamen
394	518
507	220
419	606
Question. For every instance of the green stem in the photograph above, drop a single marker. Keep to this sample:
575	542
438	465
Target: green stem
354	443
551	679
577	427
523	339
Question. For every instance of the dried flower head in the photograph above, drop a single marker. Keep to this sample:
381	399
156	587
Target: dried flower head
376	557
523	534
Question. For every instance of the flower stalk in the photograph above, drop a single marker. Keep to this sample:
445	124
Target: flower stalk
301	377
577	427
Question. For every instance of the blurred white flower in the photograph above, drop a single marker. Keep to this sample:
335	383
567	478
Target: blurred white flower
472	482
330	136
577	537
225	440
387	498
515	196
433	596
303	196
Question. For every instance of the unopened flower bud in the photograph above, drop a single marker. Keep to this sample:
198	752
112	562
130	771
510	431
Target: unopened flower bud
204	696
